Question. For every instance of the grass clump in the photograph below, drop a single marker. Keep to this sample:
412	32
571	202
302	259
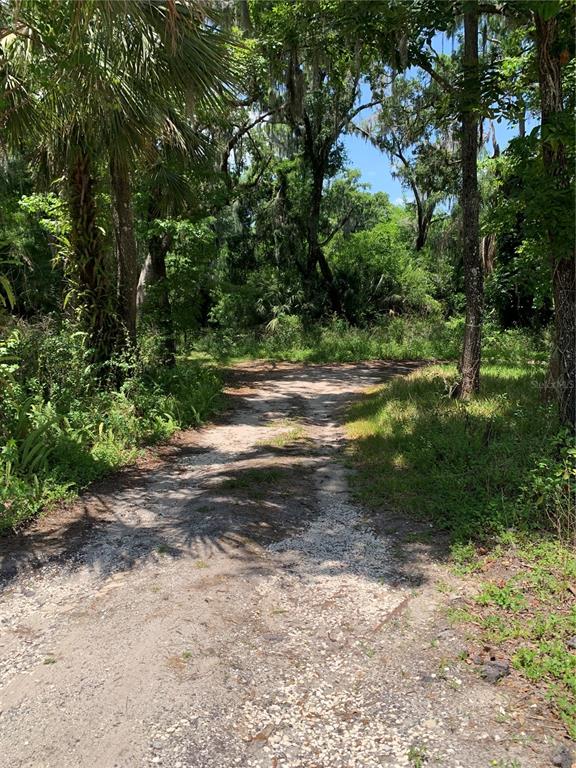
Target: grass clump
294	433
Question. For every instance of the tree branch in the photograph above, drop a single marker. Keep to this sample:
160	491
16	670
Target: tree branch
337	228
352	115
238	135
445	84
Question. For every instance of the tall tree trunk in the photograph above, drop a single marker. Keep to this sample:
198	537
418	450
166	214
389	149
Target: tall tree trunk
425	213
473	274
158	247
95	282
316	257
125	244
561	253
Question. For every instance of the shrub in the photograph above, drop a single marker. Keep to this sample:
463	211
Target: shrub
551	487
58	432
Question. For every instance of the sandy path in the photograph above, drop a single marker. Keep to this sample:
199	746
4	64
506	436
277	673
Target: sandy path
233	607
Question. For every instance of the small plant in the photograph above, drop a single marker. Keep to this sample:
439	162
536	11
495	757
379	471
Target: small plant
418	756
551	488
507	596
368	650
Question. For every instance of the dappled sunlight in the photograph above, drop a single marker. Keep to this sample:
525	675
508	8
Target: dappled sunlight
233	491
459	464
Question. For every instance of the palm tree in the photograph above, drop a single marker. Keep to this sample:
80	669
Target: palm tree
98	79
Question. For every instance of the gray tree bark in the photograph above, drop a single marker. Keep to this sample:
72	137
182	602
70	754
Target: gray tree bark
473	273
561	251
125	244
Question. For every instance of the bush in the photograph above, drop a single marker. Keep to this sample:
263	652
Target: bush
551	488
58	432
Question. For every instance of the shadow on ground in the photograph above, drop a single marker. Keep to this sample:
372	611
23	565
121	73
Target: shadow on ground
215	494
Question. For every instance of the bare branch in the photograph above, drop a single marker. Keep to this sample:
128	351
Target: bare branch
238	135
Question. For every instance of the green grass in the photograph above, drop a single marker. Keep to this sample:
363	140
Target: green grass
526	606
394	338
458	464
493	474
285	438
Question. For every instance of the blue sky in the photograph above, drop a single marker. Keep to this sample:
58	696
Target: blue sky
375	167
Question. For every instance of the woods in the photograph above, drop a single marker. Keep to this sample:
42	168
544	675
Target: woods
176	182
287	383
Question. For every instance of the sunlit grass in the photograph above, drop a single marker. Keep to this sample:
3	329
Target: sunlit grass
463	467
393	338
462	464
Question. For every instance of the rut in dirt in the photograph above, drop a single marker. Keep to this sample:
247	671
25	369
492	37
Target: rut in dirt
232	606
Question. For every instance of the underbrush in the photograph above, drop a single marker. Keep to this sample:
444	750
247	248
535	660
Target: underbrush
475	468
394	338
499	476
526	608
59	431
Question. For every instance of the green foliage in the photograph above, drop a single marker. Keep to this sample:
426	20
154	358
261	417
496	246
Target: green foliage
282	252
461	465
509	597
409	337
59	431
527	608
379	272
494	471
551	486
550	661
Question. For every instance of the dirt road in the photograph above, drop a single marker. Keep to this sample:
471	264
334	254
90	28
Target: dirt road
231	606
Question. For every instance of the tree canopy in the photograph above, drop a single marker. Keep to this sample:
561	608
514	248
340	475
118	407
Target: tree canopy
176	178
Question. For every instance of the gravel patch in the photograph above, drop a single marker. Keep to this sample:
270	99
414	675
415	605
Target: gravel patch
234	607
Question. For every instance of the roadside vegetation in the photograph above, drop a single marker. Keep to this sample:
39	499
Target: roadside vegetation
176	194
525	610
393	338
498	476
60	431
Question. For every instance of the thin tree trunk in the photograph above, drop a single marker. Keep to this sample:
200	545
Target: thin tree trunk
473	273
522	123
158	247
561	253
424	220
95	286
143	281
316	257
125	244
